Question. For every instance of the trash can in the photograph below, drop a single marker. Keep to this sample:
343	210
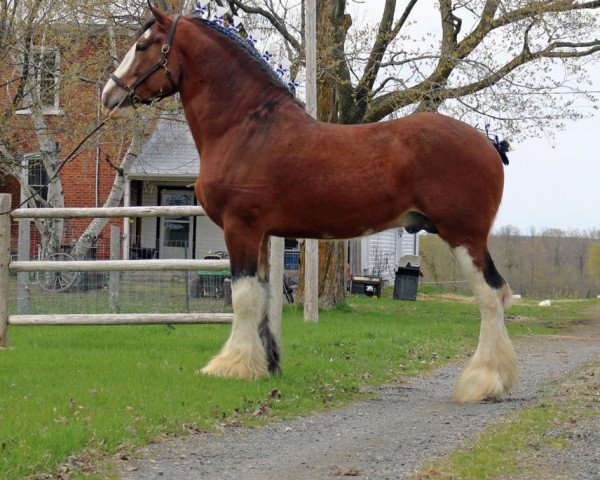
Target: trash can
366	285
407	277
210	283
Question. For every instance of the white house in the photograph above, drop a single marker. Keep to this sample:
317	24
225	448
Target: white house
380	252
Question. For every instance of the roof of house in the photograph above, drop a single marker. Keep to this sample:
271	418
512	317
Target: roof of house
169	153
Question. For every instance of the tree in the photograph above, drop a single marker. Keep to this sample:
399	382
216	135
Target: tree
509	235
439	265
505	61
594	261
65	50
19	26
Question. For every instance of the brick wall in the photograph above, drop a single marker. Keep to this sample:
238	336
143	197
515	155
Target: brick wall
80	63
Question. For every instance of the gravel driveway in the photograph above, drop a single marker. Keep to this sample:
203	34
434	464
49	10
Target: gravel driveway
387	437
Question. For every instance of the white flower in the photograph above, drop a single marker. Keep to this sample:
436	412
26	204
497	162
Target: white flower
201	10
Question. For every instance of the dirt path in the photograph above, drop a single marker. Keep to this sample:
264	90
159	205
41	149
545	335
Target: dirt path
387	437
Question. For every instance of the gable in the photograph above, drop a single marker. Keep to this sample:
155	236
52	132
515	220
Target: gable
169	153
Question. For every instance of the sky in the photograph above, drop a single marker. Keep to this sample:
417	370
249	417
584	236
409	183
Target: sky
550	183
555	183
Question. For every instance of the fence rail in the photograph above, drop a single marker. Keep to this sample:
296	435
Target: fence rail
114	212
117	265
7	266
121	319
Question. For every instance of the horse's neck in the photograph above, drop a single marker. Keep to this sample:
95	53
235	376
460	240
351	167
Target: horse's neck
221	90
213	112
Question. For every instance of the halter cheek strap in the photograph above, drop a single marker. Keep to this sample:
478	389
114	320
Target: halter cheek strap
162	63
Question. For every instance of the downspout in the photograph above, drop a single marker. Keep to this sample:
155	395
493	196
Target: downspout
97	173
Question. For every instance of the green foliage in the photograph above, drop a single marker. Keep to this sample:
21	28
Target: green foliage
439	265
594	260
549	263
68	390
492	454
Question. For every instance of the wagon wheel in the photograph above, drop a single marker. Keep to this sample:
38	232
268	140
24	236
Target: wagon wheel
57	281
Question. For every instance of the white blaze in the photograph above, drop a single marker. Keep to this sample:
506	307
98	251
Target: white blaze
120	71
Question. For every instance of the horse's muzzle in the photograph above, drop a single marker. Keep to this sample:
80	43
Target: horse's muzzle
115	106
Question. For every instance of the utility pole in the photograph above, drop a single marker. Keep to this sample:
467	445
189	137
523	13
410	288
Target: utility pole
311	269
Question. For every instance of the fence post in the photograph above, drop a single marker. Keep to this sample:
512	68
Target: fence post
276	281
23	254
5	203
114	283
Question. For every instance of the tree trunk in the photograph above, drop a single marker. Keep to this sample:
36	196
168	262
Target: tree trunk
93	230
90	235
51	229
332	254
332	268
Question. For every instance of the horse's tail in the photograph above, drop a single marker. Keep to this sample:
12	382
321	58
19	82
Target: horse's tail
502	146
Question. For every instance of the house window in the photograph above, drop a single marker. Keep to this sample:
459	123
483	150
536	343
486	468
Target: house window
291	254
44	68
37	178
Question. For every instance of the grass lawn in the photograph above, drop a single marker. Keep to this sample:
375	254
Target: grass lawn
71	390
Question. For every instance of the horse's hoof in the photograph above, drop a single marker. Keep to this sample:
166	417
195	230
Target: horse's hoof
478	383
237	365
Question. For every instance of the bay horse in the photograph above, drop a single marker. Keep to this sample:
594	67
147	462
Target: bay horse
268	168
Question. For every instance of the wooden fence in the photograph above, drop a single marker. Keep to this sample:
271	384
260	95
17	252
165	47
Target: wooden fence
7	266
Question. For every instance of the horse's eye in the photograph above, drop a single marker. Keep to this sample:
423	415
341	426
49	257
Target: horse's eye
140	47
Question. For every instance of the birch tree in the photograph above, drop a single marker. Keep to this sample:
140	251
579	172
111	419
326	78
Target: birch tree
86	36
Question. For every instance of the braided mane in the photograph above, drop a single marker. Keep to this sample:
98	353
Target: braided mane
248	49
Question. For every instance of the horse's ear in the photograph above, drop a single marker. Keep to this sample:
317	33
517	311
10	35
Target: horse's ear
161	17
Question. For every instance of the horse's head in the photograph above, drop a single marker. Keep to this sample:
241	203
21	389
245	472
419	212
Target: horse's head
150	70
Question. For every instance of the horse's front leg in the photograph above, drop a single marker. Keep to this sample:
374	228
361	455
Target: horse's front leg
266	328
243	355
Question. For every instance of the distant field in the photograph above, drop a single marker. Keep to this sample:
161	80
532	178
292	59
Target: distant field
92	391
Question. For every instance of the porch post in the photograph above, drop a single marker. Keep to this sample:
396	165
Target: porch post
114	283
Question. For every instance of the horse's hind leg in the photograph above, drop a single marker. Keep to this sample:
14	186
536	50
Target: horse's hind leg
492	371
243	355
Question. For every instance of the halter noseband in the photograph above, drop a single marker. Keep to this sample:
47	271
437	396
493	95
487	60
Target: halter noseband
162	63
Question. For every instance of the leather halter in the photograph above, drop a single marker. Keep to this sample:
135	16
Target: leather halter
162	63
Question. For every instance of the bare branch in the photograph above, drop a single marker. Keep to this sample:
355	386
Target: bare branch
385	36
275	20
